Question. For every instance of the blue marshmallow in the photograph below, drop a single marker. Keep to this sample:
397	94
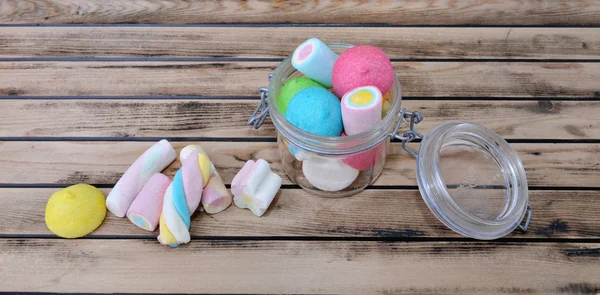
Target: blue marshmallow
317	111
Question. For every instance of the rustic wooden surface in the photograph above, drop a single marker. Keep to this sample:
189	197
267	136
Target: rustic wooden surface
86	86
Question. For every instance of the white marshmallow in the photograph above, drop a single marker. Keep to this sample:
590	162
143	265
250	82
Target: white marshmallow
328	174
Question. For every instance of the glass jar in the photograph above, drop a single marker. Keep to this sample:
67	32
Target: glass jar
469	177
318	163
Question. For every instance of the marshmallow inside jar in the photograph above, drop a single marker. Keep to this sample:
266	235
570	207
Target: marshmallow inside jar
329	166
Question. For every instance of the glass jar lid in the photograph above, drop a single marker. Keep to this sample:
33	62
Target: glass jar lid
472	180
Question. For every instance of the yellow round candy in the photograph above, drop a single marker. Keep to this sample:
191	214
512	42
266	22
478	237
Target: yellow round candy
75	211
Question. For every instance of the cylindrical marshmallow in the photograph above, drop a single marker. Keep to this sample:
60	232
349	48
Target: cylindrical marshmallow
255	187
315	60
215	197
361	109
147	206
152	161
328	174
182	198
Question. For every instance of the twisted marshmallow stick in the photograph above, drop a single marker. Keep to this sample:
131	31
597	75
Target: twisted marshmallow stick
182	198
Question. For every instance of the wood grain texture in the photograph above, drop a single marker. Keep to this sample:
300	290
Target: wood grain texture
405	12
542	119
470	79
555	165
258	42
298	267
372	213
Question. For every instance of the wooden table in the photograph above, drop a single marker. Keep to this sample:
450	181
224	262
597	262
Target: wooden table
86	86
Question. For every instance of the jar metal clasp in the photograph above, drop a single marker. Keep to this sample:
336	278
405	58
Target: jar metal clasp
410	118
262	109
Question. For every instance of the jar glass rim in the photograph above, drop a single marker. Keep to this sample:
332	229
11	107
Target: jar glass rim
333	145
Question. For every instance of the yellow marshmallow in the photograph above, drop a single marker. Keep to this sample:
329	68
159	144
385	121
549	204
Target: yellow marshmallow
75	211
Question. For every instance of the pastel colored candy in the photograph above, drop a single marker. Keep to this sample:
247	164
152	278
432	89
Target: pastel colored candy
75	211
290	89
215	197
147	206
361	109
255	187
317	111
182	198
315	60
328	174
363	160
362	66
152	161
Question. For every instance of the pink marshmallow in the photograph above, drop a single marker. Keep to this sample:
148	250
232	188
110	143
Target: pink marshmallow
147	206
361	109
363	160
152	161
362	66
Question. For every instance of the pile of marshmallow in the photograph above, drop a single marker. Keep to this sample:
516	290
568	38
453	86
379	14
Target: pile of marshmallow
360	79
150	199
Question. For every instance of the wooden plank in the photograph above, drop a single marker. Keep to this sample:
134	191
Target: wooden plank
372	213
279	42
227	118
555	165
470	79
314	267
405	12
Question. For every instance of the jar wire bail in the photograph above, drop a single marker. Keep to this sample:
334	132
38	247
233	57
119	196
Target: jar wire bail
410	118
262	109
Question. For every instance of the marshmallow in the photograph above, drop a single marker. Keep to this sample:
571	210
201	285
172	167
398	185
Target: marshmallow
361	109
290	89
75	211
215	197
182	198
328	174
362	66
255	186
315	60
147	206
317	111
363	160
152	161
